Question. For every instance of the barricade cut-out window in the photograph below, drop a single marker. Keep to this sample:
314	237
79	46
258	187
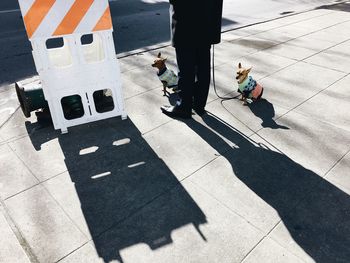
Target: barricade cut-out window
103	100
93	48
72	107
59	52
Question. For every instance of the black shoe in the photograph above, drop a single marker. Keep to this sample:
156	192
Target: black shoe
176	112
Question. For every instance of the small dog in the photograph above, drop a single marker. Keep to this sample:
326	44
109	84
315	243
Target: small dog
250	90
166	76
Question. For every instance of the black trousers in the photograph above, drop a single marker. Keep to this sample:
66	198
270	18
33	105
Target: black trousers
194	75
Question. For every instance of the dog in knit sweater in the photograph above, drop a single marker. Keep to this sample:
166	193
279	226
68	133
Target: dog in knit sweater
250	90
168	78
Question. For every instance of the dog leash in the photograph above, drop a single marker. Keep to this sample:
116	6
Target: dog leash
213	78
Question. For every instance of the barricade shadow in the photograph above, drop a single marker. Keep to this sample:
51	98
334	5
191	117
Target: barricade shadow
314	211
127	194
264	110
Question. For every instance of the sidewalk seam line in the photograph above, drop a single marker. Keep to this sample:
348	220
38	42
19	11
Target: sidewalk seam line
292	109
336	163
18	234
227	207
35	185
7	120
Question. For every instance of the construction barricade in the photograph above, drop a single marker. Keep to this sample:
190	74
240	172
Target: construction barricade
75	58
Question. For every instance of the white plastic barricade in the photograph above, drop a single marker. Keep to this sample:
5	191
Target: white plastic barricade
75	58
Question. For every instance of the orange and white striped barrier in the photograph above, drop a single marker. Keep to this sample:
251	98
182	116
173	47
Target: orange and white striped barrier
50	18
73	68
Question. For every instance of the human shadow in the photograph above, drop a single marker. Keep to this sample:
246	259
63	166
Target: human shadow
264	110
127	194
315	212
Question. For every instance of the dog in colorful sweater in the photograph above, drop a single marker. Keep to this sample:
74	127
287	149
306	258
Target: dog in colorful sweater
168	78
250	90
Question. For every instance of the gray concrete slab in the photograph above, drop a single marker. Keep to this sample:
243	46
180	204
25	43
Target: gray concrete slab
340	173
222	113
145	77
341	17
297	83
318	12
6	87
144	110
63	190
323	22
270	251
44	162
85	254
226	52
143	57
185	225
328	105
49	232
335	34
233	35
263	64
300	48
174	143
314	144
284	33
259	28
8	105
255	43
282	235
134	61
335	58
14	176
131	89
10	249
18	126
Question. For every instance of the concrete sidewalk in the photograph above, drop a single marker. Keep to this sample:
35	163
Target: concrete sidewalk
265	183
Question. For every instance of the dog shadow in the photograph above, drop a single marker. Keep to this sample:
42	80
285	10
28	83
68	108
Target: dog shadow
314	211
264	110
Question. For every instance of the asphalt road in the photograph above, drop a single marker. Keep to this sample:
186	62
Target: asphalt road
137	24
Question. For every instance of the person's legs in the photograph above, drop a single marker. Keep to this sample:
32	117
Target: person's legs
186	58
186	64
200	94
